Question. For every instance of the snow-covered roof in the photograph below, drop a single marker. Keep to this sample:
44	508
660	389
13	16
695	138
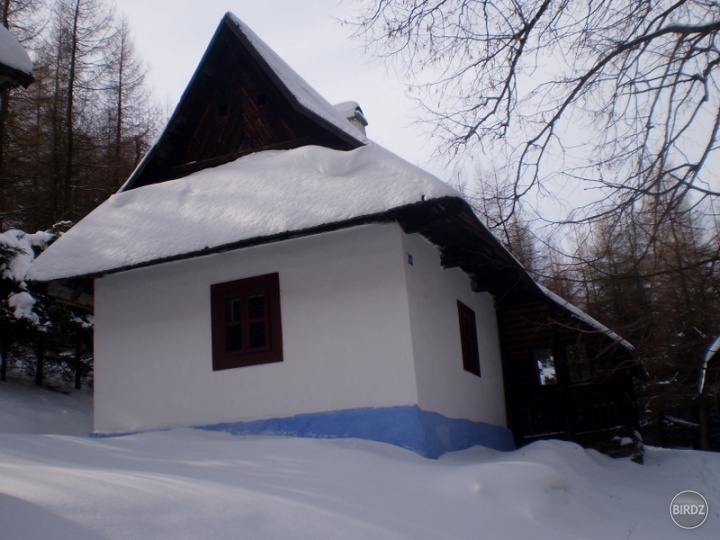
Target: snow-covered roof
709	355
584	317
305	94
12	54
259	195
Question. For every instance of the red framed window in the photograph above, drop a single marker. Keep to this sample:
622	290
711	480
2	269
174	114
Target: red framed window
469	339
246	322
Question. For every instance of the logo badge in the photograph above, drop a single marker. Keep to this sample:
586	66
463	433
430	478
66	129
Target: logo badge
689	509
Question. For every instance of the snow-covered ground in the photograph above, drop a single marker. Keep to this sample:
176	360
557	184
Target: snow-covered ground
56	483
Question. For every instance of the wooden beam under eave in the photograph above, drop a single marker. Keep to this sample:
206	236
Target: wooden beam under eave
72	292
457	257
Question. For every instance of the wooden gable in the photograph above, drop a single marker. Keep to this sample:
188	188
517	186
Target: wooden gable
236	103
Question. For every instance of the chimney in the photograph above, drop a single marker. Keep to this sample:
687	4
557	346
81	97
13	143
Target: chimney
352	112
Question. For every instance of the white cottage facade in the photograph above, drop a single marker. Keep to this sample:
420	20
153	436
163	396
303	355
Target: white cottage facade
361	328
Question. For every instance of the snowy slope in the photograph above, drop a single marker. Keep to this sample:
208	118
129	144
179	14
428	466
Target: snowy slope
25	408
193	484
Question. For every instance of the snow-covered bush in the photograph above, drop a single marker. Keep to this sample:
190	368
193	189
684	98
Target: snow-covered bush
38	336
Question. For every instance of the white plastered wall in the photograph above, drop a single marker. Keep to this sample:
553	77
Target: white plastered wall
346	335
443	385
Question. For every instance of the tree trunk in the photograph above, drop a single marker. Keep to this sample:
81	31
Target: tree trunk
78	364
3	360
4	103
119	117
69	125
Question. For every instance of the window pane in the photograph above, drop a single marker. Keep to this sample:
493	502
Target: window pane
545	362
233	338
469	339
233	307
246	325
256	306
258	335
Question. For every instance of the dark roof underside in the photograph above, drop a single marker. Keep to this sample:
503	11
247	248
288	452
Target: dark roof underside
12	78
234	105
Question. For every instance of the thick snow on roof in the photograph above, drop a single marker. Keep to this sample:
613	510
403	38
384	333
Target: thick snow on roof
584	317
298	87
12	54
259	195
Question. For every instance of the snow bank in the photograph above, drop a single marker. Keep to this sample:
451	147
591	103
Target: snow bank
259	195
26	408
189	484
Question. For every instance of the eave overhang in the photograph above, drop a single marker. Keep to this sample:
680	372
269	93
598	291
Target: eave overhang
448	222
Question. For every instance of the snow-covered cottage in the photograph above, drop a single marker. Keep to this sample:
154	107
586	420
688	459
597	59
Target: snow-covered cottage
268	268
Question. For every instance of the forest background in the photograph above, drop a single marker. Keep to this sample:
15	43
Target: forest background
72	138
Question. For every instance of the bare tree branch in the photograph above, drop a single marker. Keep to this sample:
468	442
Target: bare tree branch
621	95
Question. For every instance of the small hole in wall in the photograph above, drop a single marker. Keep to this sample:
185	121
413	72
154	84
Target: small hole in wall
410	259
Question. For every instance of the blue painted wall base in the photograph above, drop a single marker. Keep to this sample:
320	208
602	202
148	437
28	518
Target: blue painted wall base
427	433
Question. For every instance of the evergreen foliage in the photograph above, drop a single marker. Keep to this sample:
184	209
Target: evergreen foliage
39	336
66	144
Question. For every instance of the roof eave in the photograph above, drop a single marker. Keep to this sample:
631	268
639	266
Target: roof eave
438	215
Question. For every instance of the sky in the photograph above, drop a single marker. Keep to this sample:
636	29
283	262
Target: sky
172	35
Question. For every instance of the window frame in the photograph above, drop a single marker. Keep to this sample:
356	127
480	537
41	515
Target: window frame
271	351
469	345
544	358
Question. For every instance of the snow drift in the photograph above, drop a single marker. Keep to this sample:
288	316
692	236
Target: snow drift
193	484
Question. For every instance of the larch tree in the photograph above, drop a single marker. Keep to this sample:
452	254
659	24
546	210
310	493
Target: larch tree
22	18
652	277
83	125
76	50
129	110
